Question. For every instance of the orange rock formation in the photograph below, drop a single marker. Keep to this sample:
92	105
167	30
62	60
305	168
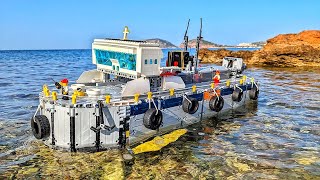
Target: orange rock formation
284	50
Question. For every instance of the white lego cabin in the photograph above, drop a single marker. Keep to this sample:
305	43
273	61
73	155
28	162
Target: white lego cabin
127	58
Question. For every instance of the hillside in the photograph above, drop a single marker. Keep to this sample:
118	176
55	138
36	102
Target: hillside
203	44
163	43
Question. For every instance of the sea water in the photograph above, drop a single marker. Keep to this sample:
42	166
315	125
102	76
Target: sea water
276	137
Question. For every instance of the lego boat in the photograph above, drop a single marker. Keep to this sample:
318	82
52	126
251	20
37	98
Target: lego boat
129	97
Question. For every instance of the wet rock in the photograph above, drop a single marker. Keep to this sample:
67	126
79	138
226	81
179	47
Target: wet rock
201	133
306	160
26	171
127	157
307	157
2	147
241	167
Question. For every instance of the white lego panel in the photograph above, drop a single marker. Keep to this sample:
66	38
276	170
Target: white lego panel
84	136
150	61
62	127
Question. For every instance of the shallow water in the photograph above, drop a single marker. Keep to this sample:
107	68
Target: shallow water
277	137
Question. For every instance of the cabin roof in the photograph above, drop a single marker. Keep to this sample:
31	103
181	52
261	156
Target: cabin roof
126	42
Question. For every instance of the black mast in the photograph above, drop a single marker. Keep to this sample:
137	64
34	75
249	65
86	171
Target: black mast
198	45
186	38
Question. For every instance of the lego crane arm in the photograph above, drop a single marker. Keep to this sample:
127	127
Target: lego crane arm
199	38
186	38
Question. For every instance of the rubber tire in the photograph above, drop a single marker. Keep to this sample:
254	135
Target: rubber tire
237	95
254	93
192	107
152	120
40	127
215	104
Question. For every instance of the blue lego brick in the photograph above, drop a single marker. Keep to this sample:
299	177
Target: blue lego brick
168	103
141	108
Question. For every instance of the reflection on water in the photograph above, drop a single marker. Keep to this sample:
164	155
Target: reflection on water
276	137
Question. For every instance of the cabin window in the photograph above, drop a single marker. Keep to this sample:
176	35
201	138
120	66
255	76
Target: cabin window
113	67
155	61
150	61
117	68
146	61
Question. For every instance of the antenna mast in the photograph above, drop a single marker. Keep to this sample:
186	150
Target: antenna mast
198	45
186	38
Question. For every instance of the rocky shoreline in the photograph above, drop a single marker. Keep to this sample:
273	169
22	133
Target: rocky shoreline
284	50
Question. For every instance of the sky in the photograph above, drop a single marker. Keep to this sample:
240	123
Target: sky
73	24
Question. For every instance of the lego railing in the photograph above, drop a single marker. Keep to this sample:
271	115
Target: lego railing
136	98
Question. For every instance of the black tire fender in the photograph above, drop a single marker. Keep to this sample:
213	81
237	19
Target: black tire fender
40	126
237	95
190	107
254	93
216	103
152	120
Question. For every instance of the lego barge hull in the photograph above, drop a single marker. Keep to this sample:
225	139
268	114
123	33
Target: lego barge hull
76	127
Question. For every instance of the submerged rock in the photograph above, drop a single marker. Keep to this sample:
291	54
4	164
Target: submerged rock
284	50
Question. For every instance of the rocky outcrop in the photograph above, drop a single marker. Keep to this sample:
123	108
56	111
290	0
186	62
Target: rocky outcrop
215	56
285	50
290	50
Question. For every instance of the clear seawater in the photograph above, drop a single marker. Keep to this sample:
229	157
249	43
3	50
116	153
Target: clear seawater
277	137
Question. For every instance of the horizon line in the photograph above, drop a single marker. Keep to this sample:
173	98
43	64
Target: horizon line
43	49
63	49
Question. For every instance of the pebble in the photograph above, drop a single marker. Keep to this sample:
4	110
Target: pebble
127	157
